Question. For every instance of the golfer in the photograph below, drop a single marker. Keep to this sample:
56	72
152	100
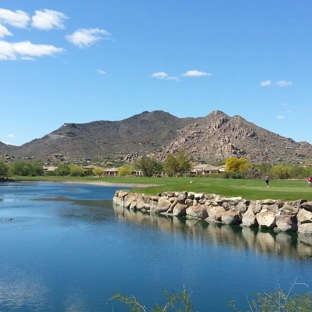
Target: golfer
267	180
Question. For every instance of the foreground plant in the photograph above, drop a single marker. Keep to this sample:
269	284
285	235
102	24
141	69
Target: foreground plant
276	301
174	302
280	301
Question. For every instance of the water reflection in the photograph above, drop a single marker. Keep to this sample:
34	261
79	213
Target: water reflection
18	290
94	210
287	245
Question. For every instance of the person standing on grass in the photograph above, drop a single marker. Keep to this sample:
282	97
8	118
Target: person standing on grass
310	181
267	180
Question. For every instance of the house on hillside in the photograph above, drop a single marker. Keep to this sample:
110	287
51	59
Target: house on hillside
137	173
204	169
111	172
222	168
49	169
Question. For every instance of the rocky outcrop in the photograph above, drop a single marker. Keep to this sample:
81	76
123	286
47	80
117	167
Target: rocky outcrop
277	215
210	139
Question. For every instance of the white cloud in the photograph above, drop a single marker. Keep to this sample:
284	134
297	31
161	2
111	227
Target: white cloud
163	75
86	37
26	50
10	136
280	83
102	72
283	83
48	19
4	31
266	83
18	18
281	117
160	75
195	73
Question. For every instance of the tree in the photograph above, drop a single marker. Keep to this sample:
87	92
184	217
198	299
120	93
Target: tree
125	170
234	164
98	172
25	168
62	170
147	165
4	169
298	172
281	171
76	170
170	165
179	164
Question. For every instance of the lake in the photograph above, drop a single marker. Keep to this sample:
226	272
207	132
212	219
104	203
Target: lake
65	247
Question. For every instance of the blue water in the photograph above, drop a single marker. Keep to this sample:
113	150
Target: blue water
64	247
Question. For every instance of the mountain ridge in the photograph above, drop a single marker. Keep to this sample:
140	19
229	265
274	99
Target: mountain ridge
210	139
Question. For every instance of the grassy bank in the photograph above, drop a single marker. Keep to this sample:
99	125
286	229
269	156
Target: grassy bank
248	189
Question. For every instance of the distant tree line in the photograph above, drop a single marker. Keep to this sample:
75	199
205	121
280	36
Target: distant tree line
178	164
174	165
241	168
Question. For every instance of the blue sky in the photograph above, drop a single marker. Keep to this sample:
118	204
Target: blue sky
82	61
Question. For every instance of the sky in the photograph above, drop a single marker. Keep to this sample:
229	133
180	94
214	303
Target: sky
82	61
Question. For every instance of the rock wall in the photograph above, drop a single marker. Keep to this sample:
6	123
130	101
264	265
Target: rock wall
277	215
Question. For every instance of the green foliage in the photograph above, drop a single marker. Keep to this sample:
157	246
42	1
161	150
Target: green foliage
76	170
234	164
26	168
170	165
277	301
280	301
177	165
297	172
265	169
280	171
125	170
4	169
62	170
148	166
88	172
98	172
174	302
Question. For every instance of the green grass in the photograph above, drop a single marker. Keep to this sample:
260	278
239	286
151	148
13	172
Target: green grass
248	189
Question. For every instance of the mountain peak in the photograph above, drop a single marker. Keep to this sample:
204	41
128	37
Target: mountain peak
211	139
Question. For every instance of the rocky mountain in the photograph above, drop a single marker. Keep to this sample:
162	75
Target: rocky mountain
217	136
103	140
209	139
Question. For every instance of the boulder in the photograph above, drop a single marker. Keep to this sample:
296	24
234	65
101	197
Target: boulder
179	210
242	206
189	202
249	219
288	210
133	205
140	204
304	216
305	228
256	206
215	213
197	212
266	220
307	205
273	208
198	196
163	205
231	217
286	223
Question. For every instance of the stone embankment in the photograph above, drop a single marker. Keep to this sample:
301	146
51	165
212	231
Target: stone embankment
277	215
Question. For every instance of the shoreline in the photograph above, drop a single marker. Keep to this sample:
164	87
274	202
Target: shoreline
99	183
108	184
